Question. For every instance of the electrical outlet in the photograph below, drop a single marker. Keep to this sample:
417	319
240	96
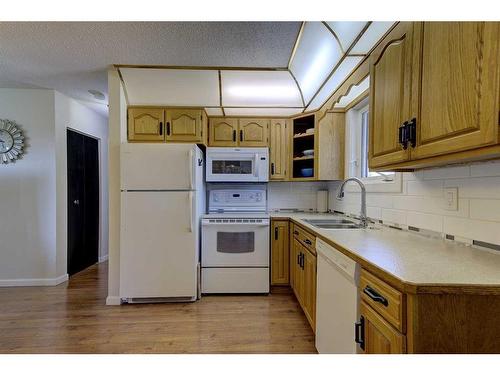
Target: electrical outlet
451	199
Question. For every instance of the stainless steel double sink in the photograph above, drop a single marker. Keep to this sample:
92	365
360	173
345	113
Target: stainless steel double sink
333	223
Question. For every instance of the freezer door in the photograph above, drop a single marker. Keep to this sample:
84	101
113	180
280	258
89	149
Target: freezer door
149	166
159	244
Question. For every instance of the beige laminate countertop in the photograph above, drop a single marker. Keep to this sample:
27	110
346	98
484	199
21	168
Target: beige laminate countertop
410	260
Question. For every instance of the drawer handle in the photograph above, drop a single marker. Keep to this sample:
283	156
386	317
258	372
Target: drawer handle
374	295
295	232
359	332
308	242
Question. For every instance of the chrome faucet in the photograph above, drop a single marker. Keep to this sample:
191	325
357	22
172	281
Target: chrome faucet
340	196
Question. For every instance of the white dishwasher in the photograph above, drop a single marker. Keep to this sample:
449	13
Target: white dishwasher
336	300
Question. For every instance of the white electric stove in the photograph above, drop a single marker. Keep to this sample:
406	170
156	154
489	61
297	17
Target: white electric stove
235	241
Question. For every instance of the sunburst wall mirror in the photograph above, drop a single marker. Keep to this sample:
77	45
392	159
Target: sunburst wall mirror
11	141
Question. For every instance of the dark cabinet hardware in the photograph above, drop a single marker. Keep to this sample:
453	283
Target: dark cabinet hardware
241	135
168	128
403	136
374	295
161	128
295	232
359	332
234	135
307	241
412	132
301	260
298	258
272	168
275	233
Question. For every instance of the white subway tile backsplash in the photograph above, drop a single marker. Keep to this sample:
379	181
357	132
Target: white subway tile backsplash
462	171
431	205
430	188
486	169
485	209
481	187
486	231
393	216
425	221
296	195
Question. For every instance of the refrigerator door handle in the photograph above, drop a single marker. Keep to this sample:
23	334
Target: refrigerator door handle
191	212
191	161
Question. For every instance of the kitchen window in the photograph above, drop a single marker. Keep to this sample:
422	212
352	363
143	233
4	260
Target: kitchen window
357	144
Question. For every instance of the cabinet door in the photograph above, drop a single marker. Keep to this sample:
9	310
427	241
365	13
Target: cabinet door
390	92
253	132
223	132
309	291
146	124
459	87
379	336
278	149
184	125
298	277
280	253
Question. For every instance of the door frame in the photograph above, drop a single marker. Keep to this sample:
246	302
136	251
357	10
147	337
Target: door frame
99	172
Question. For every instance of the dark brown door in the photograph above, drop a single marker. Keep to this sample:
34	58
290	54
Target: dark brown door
83	201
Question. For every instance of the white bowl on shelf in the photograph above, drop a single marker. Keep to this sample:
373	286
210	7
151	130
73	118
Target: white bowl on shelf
308	152
310	131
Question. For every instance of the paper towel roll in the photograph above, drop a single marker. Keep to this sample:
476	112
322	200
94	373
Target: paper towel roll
322	201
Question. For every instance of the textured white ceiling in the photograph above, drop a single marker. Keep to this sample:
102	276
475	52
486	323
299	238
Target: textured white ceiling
73	57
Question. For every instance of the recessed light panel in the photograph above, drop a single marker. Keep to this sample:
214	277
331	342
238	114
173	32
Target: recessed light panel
346	31
264	112
317	53
340	74
259	88
371	36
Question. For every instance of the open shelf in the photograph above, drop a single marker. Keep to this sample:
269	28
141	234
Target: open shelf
303	135
303	158
303	141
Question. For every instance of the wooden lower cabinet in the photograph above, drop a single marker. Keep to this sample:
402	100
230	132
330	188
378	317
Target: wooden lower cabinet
303	283
379	336
280	253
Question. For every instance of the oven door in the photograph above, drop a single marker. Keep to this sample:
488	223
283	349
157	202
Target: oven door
235	243
242	165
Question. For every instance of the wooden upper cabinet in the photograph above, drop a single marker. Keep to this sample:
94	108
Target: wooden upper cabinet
390	89
253	132
184	125
223	132
146	124
459	87
280	253
278	149
379	336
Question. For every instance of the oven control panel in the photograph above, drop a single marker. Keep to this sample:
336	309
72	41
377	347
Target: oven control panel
235	200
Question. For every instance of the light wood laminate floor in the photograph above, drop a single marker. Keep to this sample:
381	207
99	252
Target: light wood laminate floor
73	318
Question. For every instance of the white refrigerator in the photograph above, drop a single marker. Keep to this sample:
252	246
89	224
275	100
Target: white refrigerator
162	200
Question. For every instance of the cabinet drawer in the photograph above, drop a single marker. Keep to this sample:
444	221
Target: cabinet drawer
305	238
383	298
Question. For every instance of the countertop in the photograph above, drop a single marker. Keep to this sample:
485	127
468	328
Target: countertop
412	261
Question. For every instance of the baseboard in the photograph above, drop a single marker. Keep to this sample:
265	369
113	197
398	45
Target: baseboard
113	301
34	282
103	258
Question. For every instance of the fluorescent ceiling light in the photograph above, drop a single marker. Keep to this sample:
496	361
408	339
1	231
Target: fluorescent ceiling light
259	89
346	31
265	112
342	72
317	53
372	35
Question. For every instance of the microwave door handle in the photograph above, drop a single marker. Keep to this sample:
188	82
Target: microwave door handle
256	164
191	174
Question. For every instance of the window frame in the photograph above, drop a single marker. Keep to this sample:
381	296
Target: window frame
354	154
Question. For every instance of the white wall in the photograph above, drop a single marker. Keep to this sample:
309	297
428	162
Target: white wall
28	192
71	114
293	195
33	190
421	202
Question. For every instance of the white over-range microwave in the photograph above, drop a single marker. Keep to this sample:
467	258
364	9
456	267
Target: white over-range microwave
245	164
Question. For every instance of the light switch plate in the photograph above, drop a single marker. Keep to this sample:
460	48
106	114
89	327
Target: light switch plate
451	199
